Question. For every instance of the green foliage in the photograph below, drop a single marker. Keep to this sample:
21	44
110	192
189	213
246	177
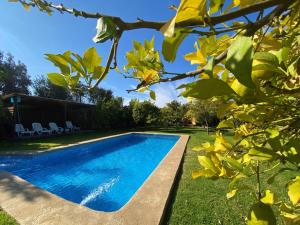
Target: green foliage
44	88
73	67
144	113
173	114
109	113
144	62
13	76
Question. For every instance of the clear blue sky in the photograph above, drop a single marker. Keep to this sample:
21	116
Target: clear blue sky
28	35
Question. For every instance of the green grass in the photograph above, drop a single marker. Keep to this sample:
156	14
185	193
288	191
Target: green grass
193	202
5	219
51	142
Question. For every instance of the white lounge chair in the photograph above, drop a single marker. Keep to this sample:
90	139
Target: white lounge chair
37	128
55	129
20	130
70	126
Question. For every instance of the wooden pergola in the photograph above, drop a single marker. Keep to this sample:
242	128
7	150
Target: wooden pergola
27	109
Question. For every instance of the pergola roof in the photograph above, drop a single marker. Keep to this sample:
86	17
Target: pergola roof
42	101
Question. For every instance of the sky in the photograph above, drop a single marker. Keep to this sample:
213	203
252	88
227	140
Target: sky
28	35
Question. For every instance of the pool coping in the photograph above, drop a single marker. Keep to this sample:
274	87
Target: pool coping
29	204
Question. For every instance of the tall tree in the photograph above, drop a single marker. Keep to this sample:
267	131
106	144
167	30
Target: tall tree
203	110
173	114
144	113
99	94
42	87
13	76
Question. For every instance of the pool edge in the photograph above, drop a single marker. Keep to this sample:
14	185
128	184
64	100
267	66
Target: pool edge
147	206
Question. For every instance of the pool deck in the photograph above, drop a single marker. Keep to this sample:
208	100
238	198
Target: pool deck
31	205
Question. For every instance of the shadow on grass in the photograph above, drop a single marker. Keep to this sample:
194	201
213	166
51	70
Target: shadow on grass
13	187
172	197
54	141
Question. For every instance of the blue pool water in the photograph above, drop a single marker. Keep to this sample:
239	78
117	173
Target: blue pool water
101	175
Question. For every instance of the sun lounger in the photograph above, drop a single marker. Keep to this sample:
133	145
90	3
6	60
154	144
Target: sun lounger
37	128
20	130
55	129
70	126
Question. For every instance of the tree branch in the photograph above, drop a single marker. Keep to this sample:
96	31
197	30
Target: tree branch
249	32
157	25
112	55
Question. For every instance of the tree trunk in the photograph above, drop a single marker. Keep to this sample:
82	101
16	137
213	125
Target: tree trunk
207	129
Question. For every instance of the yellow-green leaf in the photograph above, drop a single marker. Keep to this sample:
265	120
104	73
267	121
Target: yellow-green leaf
268	198
57	79
207	163
206	88
231	193
91	59
261	154
188	9
294	190
171	44
239	60
261	214
152	95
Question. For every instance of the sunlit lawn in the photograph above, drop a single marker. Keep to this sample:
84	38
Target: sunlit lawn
193	202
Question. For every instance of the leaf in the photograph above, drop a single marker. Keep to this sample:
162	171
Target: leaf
106	29
239	60
152	95
268	198
272	178
188	9
207	88
57	79
224	108
210	66
26	6
60	62
191	9
261	214
274	132
266	57
215	6
231	193
226	124
294	190
98	72
202	173
91	59
171	44
168	29
260	154
207	163
294	68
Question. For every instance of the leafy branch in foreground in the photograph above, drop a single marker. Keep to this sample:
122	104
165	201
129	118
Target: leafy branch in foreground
253	70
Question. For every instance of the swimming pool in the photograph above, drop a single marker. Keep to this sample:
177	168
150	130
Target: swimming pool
101	175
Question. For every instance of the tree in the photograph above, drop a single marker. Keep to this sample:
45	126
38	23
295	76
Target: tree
247	54
42	87
173	114
13	76
203	111
144	113
99	94
110	113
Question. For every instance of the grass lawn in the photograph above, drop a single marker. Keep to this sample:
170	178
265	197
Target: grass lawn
193	202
